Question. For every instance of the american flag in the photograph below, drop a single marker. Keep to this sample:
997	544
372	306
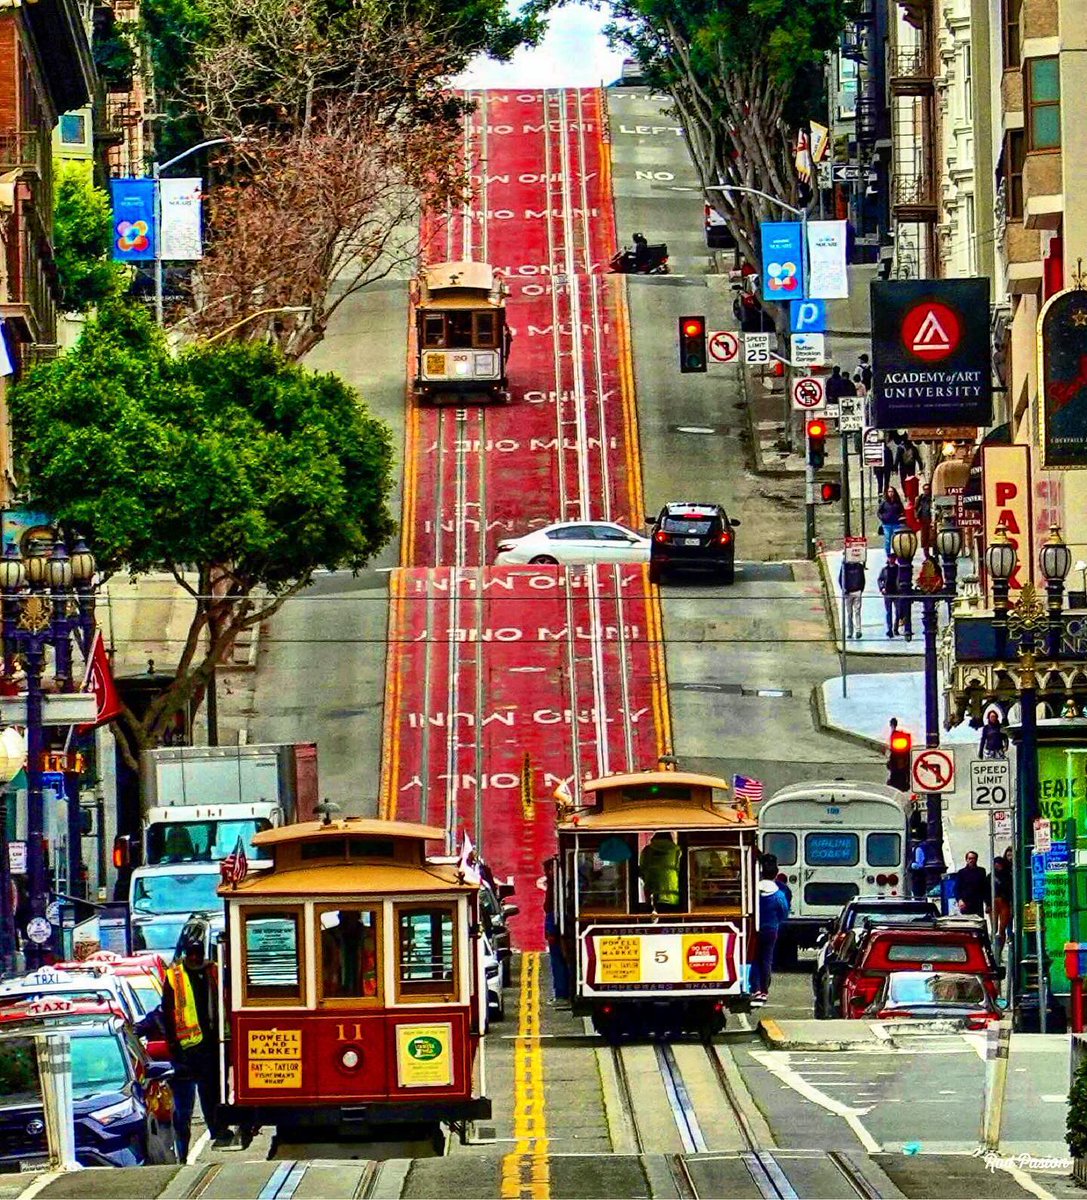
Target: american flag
234	868
747	789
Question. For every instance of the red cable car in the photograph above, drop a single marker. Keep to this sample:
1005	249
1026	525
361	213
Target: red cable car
355	985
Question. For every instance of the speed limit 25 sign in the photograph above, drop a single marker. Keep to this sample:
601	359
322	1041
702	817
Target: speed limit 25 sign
990	784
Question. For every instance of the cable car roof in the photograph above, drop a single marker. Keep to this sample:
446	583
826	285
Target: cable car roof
641	778
341	878
657	816
305	831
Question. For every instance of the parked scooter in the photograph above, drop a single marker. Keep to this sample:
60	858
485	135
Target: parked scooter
642	259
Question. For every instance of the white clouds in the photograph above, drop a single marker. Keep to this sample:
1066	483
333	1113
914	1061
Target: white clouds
574	53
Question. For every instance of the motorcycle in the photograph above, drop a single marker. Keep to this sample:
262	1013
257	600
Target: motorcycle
655	261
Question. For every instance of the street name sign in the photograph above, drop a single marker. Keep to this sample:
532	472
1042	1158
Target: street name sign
723	346
756	349
933	770
809	392
990	783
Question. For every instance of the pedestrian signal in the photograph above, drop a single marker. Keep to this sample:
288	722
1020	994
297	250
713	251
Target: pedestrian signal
898	761
692	344
830	492
817	443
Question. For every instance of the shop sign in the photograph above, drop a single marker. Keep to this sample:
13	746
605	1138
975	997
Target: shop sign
1062	374
930	353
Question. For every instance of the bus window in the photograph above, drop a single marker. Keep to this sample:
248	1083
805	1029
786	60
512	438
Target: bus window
349	954
486	330
273	969
460	330
425	953
782	845
714	877
831	849
884	849
434	330
601	885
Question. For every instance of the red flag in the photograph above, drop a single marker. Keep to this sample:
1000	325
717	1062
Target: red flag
99	679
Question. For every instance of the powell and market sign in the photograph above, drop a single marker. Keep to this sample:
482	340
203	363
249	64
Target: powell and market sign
930	353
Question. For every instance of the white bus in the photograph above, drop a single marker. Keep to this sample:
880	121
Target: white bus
834	840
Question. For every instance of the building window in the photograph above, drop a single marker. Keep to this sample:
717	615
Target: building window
967	83
1043	104
73	129
1012	12
1015	148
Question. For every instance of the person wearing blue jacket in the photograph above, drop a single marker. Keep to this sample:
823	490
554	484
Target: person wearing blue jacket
773	913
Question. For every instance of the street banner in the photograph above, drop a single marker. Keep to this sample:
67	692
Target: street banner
179	213
931	359
782	261
99	679
828	277
133	219
1062	373
1006	504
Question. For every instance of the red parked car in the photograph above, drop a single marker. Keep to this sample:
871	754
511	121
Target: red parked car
946	944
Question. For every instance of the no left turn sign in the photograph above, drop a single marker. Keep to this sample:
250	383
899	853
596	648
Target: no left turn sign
933	770
809	392
723	346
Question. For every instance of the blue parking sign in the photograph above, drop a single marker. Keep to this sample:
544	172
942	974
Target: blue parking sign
808	316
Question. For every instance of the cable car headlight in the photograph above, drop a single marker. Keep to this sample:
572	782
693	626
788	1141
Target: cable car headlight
350	1059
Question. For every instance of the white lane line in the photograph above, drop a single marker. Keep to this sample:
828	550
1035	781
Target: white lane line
777	1063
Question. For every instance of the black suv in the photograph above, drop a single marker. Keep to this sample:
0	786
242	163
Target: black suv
697	537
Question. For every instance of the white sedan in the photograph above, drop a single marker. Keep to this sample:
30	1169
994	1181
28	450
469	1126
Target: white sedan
575	542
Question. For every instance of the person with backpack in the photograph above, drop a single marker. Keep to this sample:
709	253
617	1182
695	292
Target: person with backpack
888	585
851	579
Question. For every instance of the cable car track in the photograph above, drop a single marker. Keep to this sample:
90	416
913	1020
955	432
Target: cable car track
767	1168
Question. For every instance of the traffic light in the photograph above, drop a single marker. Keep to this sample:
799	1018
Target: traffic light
898	761
692	344
817	443
830	492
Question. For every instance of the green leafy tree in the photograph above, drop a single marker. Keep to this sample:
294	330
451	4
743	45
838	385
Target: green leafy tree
743	75
235	470
82	239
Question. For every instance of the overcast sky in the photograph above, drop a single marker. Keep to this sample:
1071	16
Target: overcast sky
573	54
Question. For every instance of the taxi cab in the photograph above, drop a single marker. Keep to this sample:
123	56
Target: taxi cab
122	1102
945	944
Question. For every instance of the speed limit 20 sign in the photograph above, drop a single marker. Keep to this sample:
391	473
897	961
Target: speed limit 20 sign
990	784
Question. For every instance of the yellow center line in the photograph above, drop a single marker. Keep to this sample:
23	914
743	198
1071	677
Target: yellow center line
526	1171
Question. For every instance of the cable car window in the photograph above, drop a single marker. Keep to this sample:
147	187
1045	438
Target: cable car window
273	969
349	954
782	846
460	330
486	330
601	884
324	848
425	952
714	876
434	330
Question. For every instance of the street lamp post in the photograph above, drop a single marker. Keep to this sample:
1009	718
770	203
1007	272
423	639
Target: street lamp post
933	587
156	174
34	620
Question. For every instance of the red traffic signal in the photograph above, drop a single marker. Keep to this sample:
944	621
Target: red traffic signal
901	742
830	492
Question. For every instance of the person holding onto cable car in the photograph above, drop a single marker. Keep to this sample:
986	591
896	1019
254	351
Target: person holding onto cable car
659	868
189	999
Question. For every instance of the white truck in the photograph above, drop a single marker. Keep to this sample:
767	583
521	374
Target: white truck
196	803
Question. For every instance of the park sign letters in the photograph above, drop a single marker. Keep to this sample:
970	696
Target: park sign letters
930	353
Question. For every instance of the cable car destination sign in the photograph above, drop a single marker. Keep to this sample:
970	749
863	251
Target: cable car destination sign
930	353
